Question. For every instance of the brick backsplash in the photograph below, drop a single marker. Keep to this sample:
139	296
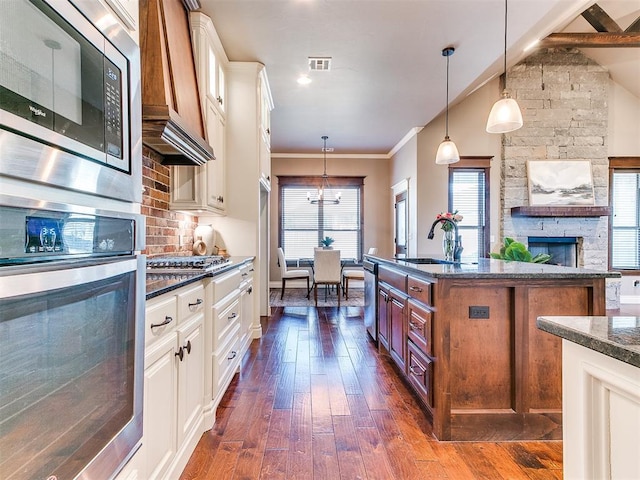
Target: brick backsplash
164	227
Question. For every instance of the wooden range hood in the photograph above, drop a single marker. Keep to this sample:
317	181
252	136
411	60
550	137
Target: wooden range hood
172	123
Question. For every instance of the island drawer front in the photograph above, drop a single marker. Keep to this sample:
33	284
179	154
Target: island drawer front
420	372
190	302
419	289
392	277
419	330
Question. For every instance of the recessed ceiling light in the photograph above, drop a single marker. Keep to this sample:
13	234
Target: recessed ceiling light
304	80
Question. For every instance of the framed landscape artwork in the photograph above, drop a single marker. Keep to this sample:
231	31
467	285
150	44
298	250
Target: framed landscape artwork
560	182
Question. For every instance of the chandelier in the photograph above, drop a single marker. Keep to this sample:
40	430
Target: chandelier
320	195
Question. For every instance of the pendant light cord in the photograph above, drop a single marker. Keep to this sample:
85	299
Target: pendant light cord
446	116
505	43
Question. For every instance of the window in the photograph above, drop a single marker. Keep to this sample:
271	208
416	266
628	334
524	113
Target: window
303	225
469	195
624	238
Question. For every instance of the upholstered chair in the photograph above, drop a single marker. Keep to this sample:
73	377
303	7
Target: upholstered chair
326	271
354	274
291	274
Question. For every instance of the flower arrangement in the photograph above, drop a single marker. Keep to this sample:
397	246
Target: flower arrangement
446	226
327	241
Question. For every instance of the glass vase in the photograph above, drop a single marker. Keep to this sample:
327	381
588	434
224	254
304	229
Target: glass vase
448	244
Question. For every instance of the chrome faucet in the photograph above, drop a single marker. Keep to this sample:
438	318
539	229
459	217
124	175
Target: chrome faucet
457	245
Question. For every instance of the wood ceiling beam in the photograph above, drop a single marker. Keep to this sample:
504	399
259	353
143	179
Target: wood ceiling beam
600	20
634	27
591	40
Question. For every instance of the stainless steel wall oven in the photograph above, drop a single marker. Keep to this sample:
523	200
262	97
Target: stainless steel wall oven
71	332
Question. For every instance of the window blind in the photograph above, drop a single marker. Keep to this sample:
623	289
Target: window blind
625	230
468	197
303	225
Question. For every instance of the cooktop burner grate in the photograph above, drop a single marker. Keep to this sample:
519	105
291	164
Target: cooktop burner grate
206	263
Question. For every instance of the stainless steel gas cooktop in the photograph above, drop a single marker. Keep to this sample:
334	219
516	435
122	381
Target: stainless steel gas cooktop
205	263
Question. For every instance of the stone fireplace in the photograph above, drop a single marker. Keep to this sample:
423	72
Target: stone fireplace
563	97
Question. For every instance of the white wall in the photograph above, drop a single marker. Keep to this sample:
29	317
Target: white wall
403	167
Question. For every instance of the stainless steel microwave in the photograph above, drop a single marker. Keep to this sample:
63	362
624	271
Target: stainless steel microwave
69	98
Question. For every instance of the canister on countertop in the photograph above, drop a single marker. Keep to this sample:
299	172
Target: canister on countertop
204	238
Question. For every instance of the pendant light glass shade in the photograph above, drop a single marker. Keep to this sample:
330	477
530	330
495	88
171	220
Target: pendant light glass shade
505	115
447	151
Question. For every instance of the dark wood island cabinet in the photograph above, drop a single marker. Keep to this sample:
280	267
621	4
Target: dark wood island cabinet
464	336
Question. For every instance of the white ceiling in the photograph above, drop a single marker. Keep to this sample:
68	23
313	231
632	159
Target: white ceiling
388	74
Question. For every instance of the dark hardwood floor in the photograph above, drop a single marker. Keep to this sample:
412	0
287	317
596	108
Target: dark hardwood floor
315	400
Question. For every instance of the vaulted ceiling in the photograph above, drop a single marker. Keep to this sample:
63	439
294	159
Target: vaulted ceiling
387	72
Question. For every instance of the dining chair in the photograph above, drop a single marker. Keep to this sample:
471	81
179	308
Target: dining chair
291	274
354	274
326	271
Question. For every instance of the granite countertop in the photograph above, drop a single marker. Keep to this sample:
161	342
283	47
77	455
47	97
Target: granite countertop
161	283
490	268
615	336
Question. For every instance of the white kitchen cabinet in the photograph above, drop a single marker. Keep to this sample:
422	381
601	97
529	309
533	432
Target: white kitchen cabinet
203	189
160	406
601	415
173	380
264	125
247	307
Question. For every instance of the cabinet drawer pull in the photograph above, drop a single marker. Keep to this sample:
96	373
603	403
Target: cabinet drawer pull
232	356
415	289
417	374
197	302
180	353
415	326
167	321
245	274
251	270
187	347
232	316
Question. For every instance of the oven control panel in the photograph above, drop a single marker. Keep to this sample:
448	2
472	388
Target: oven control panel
30	235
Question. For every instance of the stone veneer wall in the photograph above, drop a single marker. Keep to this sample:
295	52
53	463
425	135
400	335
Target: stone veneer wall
164	227
563	97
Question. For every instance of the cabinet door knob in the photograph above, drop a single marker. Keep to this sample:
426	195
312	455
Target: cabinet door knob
180	353
187	347
249	290
219	100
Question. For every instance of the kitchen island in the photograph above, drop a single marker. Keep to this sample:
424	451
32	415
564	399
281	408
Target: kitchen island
464	336
601	394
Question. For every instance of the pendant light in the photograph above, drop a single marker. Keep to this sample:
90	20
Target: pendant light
324	184
447	151
505	115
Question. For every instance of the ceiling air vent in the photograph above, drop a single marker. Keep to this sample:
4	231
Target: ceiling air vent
322	64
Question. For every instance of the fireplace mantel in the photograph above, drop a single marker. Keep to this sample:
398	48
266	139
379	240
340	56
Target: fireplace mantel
561	211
